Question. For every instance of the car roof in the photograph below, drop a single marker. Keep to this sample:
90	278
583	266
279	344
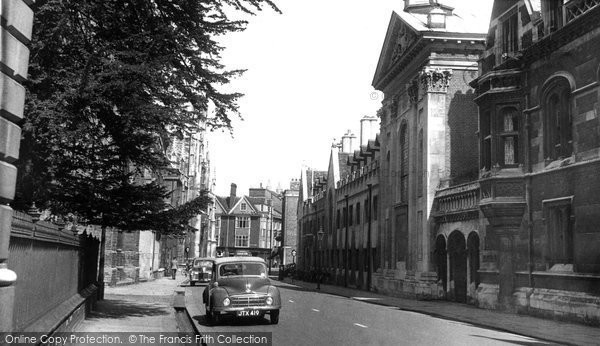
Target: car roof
204	259
239	259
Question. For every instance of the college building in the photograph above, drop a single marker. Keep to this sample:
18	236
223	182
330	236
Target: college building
479	183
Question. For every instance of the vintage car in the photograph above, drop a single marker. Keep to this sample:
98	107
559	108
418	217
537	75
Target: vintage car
240	287
201	271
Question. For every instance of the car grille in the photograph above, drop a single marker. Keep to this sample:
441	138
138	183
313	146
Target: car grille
247	301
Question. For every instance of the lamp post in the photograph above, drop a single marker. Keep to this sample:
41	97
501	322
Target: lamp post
270	206
320	235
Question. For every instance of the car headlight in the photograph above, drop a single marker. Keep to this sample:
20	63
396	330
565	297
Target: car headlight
269	300
226	301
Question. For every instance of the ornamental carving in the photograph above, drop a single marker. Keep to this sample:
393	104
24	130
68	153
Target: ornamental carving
435	80
403	39
394	106
412	90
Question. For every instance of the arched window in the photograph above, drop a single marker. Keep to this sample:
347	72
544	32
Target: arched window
558	122
420	161
404	163
510	136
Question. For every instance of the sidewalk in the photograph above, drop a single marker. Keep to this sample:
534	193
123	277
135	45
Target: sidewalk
548	330
142	307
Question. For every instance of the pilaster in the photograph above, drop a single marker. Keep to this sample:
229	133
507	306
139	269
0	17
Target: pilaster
15	33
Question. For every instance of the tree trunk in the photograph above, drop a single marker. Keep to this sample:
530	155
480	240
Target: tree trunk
101	265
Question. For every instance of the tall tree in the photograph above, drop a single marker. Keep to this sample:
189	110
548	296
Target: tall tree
110	82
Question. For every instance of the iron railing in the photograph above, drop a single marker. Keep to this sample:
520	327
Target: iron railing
52	265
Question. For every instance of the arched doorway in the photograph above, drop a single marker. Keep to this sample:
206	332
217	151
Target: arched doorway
457	255
473	254
440	261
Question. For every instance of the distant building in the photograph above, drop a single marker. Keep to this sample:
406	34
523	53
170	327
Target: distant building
337	211
310	217
247	225
289	227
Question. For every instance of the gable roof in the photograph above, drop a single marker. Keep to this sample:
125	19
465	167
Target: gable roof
228	206
238	203
408	33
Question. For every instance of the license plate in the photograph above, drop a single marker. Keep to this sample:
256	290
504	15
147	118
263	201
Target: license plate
248	313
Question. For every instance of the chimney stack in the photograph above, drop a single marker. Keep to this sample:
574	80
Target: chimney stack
436	18
295	185
232	193
368	129
347	142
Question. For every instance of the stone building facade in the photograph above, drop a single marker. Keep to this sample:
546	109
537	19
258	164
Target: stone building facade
539	138
427	137
353	249
337	211
310	217
289	226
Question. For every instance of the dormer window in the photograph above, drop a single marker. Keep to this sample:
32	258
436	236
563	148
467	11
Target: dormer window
243	207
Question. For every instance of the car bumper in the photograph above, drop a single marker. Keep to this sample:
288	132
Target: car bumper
201	277
230	310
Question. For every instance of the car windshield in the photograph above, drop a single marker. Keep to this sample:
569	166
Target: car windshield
253	269
201	263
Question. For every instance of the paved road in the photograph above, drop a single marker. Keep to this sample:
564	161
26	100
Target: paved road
309	318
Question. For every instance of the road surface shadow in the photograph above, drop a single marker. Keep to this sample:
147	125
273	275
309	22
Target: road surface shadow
515	342
117	308
294	288
233	321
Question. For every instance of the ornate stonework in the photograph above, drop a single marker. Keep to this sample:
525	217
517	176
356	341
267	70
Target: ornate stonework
412	90
394	106
435	80
404	39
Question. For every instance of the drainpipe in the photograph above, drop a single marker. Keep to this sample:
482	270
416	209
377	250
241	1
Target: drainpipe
227	237
369	251
346	242
528	197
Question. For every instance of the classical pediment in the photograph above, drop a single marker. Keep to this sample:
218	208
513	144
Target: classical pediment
399	38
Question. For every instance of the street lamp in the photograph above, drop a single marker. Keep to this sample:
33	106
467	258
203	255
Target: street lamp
320	235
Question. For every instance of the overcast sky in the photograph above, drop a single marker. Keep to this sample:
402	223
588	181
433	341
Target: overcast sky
308	81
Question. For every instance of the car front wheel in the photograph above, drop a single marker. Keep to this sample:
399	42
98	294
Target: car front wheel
209	315
274	316
212	318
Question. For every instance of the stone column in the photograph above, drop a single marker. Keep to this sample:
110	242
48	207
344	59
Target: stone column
15	33
447	270
434	170
506	268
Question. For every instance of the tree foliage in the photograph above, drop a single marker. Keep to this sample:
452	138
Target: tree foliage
109	83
